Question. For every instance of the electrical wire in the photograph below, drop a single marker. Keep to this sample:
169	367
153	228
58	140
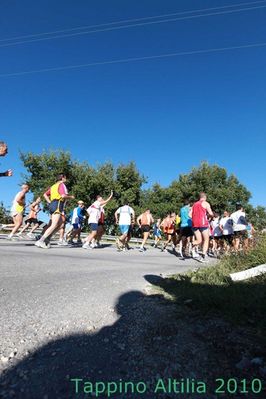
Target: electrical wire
132	20
129	26
133	59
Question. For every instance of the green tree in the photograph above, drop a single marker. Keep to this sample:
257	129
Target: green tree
42	170
4	214
257	216
128	184
84	181
160	200
224	191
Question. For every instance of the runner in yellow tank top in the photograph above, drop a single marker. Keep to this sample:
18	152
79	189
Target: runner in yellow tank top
56	197
17	209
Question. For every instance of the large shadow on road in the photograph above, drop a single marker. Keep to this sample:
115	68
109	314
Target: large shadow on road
152	339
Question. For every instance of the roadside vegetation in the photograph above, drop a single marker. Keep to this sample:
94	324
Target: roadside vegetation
211	290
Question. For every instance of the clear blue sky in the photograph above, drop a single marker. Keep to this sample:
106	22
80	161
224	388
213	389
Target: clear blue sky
166	114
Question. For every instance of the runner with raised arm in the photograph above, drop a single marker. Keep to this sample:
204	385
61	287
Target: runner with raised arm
94	212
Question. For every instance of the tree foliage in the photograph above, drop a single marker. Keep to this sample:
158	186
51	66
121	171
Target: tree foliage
224	191
84	181
4	214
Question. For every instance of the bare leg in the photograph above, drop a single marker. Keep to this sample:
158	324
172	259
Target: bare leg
206	237
55	223
100	233
75	233
18	220
145	237
25	228
236	243
11	225
123	238
169	239
91	236
35	227
198	238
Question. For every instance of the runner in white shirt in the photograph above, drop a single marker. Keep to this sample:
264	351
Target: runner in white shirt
124	217
239	227
216	233
226	226
94	212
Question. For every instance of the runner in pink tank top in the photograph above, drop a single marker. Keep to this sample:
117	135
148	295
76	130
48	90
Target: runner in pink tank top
200	226
199	215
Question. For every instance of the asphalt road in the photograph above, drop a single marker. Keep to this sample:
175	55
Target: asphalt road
46	293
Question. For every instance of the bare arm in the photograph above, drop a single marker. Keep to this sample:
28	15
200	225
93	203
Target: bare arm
32	206
139	220
67	196
21	199
107	200
8	172
47	198
208	208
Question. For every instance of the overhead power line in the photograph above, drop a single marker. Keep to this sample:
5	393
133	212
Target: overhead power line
132	20
110	28
133	59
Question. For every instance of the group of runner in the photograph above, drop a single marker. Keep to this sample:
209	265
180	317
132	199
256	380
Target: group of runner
197	226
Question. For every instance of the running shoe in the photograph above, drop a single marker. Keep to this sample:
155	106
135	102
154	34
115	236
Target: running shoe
31	236
195	255
12	238
41	244
202	259
62	243
118	244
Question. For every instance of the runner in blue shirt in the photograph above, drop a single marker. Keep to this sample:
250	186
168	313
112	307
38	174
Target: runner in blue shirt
185	226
